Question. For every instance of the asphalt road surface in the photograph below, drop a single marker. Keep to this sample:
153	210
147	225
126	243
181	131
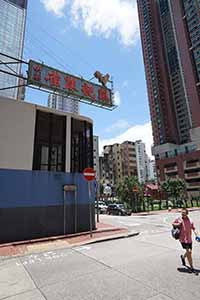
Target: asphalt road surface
143	267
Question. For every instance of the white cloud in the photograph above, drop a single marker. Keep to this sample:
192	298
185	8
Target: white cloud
137	132
104	18
117	98
107	17
55	6
119	125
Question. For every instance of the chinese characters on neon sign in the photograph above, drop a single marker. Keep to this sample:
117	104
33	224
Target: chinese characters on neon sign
54	80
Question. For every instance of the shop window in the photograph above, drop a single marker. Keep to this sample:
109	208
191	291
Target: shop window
81	145
50	139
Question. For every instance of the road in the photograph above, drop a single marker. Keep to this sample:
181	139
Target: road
149	224
138	268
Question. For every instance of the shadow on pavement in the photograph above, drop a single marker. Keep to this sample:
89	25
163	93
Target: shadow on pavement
188	270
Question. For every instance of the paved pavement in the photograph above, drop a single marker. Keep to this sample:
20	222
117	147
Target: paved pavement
143	267
102	233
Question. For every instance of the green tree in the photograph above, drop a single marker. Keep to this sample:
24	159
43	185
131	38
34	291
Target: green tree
174	188
126	194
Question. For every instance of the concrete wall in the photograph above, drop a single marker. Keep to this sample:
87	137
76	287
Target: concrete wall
17	126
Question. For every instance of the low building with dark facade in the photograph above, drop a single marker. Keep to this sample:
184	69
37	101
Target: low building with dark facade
41	151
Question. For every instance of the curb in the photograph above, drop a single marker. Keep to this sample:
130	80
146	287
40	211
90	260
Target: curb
54	238
108	238
76	245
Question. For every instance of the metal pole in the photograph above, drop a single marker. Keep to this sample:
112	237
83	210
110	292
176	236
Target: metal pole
135	204
75	204
12	87
97	195
75	225
16	75
14	58
97	209
90	207
64	213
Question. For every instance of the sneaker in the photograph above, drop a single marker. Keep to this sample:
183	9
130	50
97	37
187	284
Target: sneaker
183	260
194	271
190	270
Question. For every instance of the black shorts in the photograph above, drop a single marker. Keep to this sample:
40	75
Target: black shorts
187	245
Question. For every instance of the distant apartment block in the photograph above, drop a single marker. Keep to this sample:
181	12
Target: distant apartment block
142	161
118	161
129	164
152	170
96	156
64	103
111	165
145	166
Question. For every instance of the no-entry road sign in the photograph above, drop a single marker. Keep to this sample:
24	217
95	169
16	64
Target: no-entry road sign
89	174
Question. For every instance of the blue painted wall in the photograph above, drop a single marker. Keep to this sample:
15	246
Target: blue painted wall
20	188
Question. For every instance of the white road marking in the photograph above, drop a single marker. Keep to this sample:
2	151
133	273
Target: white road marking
129	224
41	258
151	231
83	248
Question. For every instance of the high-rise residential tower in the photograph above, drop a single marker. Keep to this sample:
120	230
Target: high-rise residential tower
12	28
64	103
142	161
170	32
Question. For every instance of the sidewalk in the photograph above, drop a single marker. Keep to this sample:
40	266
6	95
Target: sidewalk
103	232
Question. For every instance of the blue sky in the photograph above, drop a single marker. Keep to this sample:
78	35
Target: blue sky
82	36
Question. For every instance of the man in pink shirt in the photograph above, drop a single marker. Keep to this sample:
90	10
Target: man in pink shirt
186	226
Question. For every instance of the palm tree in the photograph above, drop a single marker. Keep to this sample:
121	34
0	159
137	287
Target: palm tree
174	188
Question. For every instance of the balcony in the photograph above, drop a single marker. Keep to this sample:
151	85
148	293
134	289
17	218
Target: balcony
192	165
192	175
172	176
172	169
193	185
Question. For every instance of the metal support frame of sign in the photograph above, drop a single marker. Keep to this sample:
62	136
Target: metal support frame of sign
90	206
89	175
7	61
52	81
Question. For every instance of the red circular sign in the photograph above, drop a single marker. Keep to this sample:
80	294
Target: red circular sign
89	174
